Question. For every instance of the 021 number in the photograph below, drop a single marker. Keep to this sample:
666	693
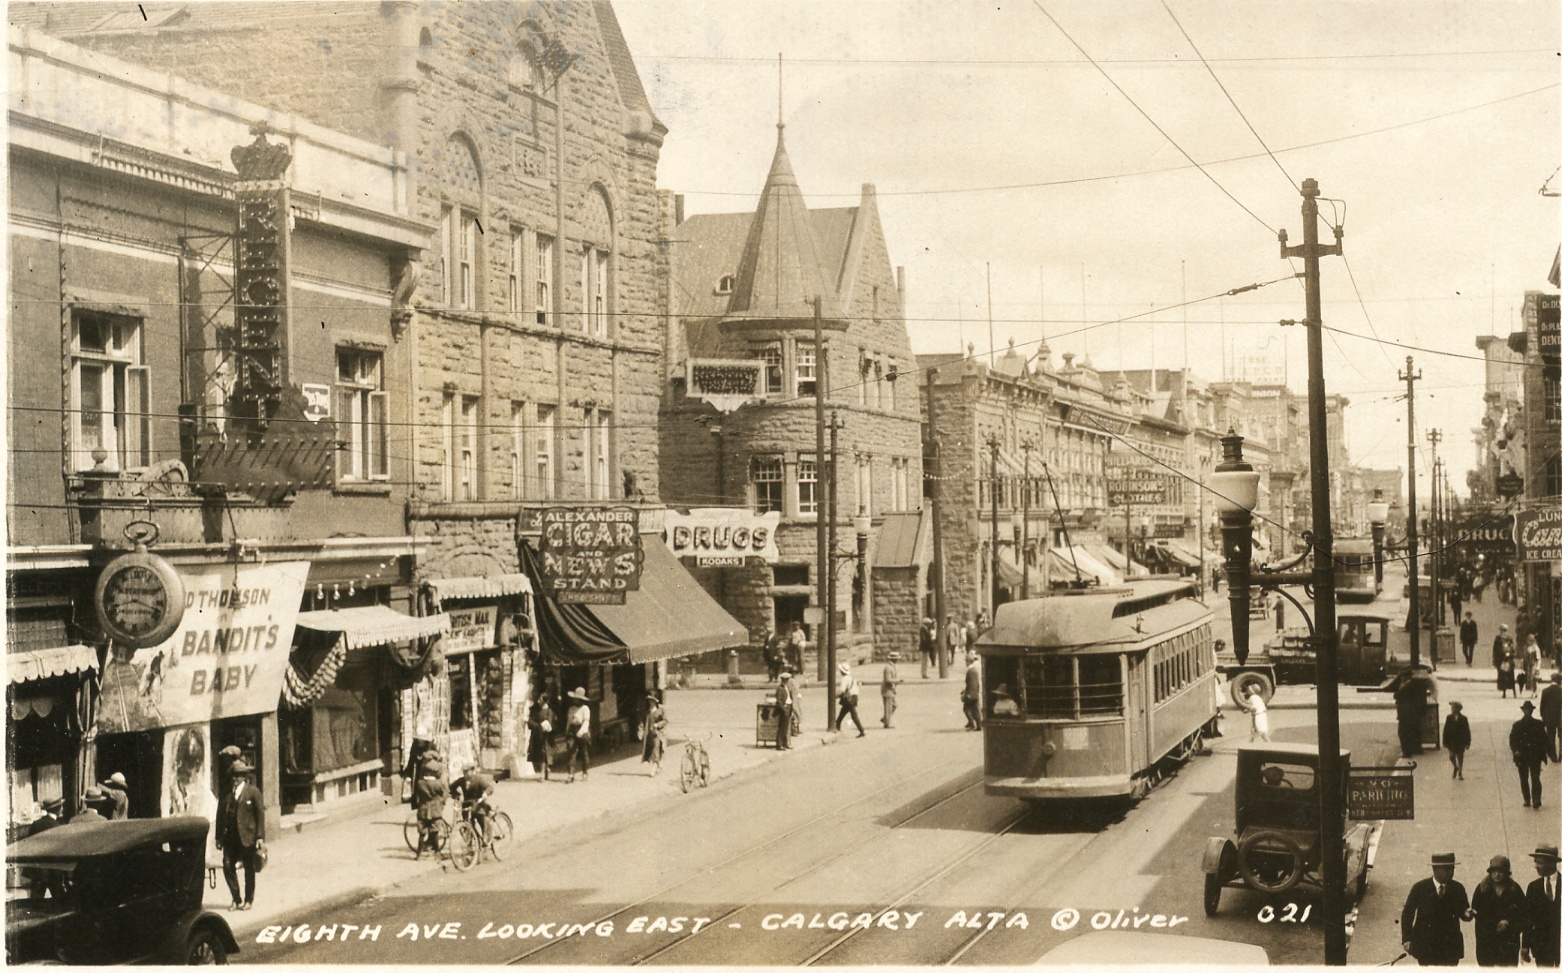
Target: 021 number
1288	913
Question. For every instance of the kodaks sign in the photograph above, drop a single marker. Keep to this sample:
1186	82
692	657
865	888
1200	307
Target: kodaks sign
720	536
1537	534
590	555
226	658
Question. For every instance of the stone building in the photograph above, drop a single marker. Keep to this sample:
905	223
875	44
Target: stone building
1542	592
1499	442
740	406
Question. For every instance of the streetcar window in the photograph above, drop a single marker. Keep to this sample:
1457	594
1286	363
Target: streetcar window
1047	687
1100	685
1000	670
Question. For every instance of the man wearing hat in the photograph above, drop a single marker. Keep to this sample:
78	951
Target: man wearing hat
48	817
1530	749
241	831
784	711
1432	913
428	801
1003	702
1551	714
1500	915
117	795
887	684
578	728
846	695
1500	646
1456	737
1543	925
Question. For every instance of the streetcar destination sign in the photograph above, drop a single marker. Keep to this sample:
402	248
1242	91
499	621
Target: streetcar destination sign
1537	534
1380	794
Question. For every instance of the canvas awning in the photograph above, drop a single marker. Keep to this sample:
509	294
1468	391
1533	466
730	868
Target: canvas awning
490	586
1088	566
1179	554
1010	574
373	625
671	614
34	664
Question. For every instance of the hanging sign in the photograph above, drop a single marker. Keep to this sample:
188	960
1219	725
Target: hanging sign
471	629
1380	794
721	536
1487	535
226	658
590	555
1537	534
1548	323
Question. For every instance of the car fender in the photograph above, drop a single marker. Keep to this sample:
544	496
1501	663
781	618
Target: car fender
1219	856
179	934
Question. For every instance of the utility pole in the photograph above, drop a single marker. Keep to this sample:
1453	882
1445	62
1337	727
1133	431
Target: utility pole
935	460
1413	623
829	620
1435	436
992	593
1024	552
1331	786
822	559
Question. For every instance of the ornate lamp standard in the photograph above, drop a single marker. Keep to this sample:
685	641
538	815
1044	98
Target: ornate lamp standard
1377	516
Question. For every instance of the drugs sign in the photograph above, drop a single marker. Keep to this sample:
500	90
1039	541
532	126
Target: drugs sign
590	555
1537	534
1380	794
1490	535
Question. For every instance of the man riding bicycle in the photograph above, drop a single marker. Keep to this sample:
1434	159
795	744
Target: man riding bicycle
472	790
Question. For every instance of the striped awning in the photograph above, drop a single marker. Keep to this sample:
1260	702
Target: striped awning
34	664
489	586
374	625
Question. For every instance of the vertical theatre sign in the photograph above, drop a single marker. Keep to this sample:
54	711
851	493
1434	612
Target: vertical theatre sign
260	276
590	555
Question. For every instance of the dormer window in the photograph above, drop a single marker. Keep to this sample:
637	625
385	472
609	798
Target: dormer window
725	284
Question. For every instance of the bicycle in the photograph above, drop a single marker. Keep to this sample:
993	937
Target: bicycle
472	838
442	830
696	763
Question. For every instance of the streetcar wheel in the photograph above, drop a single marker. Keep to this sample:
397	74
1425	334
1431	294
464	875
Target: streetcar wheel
463	847
1240	685
1211	894
500	828
1269	861
409	833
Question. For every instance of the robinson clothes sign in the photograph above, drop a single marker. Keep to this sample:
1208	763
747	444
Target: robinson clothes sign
1380	794
1126	484
1537	534
723	535
590	555
226	658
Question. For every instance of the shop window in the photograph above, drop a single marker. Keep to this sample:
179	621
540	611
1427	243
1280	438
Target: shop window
783	575
458	669
361	407
110	392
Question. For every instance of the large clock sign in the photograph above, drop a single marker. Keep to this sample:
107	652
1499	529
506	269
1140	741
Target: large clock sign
139	600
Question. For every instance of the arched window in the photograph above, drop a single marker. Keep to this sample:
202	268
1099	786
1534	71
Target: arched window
596	263
460	239
425	40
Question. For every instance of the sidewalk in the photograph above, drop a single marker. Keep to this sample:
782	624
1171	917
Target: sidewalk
359	850
1476	818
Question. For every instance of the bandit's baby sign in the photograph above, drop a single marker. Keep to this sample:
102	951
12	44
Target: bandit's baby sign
226	658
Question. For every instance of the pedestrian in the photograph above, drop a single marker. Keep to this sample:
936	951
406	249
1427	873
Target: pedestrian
1500	910
1455	601
772	650
1279	612
1531	661
1543	923
927	644
1469	633
887	691
982	623
48	817
117	794
796	643
784	711
1551	715
1502	643
797	704
241	832
971	696
970	635
655	733
954	637
1432	913
473	790
539	735
91	800
1003	702
1258	710
1505	674
578	727
846	695
1410	711
429	795
1456	737
1530	749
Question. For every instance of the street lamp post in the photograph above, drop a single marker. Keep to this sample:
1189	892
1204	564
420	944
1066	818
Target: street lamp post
1377	515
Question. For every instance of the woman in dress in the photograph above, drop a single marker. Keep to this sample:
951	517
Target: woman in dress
1505	673
539	723
1531	663
655	725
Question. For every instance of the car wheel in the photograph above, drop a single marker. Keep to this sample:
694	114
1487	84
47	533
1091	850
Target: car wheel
1211	894
1269	861
205	949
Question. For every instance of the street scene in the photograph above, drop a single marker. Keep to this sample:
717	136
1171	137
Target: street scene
780	483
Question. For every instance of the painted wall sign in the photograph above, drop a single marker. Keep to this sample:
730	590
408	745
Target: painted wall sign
226	658
1537	534
1548	325
1135	485
590	555
471	629
723	533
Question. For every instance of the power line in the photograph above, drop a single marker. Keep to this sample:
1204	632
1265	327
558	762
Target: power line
1047	62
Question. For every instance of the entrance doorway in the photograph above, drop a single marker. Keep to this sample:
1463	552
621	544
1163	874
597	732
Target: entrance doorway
139	756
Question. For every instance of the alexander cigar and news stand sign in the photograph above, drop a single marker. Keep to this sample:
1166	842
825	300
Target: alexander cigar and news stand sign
590	555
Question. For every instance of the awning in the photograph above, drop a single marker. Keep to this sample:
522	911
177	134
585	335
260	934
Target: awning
374	625
1179	554
47	663
670	614
1010	575
491	586
1119	562
1088	566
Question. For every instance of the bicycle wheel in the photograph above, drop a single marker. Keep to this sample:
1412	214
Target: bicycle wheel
463	847
500	829
409	833
441	835
704	768
687	771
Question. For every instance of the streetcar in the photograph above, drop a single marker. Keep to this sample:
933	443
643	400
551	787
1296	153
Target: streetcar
1098	693
1355	570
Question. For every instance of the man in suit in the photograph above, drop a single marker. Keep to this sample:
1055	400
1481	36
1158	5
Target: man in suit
972	696
1469	634
91	802
1544	929
1456	737
1551	714
1433	911
1530	749
241	831
784	711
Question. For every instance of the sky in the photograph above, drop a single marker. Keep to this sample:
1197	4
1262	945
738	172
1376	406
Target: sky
1052	145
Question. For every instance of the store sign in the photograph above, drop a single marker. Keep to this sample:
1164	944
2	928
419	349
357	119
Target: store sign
471	629
1548	324
1489	535
1129	485
1380	794
590	555
317	401
722	537
226	658
1537	534
1169	531
1510	485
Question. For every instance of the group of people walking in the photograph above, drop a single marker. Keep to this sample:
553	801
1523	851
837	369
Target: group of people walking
547	737
1511	922
954	636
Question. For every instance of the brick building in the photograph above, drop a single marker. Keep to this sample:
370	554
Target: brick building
740	410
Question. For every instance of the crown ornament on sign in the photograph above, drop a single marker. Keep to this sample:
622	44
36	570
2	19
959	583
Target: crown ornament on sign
261	160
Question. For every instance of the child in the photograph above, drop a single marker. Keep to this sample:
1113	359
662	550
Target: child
1254	704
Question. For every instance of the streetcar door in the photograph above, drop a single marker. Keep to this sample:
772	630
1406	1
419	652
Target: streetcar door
1138	715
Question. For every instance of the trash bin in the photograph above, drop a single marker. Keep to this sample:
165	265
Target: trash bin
766	723
1431	728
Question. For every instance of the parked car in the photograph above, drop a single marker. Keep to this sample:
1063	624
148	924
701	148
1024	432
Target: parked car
113	892
1277	846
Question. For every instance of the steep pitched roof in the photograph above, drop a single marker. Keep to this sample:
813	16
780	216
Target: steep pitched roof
781	270
630	89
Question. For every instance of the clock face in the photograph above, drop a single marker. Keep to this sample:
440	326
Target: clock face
140	600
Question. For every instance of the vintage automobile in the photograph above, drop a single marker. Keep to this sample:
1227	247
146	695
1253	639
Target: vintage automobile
113	892
1277	843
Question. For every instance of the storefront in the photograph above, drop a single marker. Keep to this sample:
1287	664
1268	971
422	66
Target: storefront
49	699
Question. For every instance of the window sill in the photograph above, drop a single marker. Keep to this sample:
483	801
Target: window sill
365	488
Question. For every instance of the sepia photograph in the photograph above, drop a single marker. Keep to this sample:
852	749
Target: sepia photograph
770	483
